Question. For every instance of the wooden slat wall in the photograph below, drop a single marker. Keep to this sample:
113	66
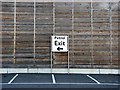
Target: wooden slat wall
63	26
24	34
101	31
7	33
115	33
92	44
44	28
82	34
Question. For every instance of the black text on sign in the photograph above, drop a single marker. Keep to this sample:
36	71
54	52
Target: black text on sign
59	43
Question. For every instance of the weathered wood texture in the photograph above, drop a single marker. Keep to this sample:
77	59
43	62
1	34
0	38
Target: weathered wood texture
92	31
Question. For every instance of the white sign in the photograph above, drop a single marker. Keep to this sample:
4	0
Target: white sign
59	43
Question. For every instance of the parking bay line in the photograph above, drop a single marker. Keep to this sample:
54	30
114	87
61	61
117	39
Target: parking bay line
12	79
93	79
53	79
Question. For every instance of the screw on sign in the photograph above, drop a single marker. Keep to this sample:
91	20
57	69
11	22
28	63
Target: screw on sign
59	43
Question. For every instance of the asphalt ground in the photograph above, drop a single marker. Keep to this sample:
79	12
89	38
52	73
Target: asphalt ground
61	81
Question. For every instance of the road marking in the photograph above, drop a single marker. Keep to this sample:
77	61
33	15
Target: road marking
12	79
115	84
93	79
53	79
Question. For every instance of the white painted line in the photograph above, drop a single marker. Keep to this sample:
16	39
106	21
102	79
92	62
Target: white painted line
93	79
53	79
12	79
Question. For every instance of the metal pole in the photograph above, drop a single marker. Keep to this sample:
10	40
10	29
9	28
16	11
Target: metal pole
51	56
68	56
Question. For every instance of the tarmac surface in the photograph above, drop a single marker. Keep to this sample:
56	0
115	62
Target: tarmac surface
61	81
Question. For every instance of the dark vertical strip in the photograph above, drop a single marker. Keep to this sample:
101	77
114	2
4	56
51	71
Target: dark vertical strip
0	43
119	39
1	34
119	43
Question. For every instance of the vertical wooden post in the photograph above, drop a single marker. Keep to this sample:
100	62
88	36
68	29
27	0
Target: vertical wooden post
73	32
92	49
111	51
34	27
14	52
53	34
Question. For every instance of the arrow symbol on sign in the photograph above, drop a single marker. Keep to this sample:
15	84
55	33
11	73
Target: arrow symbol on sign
59	48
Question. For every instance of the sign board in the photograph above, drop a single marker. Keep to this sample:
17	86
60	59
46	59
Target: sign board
59	43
